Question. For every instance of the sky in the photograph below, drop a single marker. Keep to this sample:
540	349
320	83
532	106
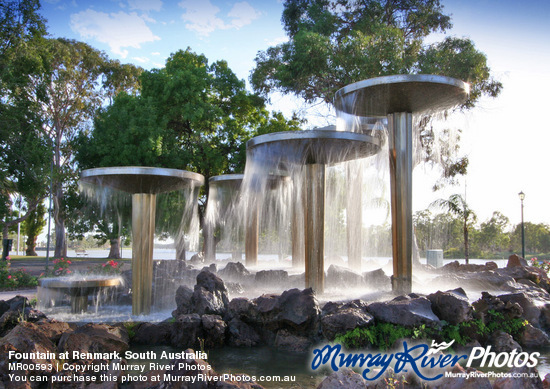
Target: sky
506	139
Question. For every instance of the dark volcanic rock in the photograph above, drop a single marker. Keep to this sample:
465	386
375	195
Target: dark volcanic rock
531	312
344	378
285	340
339	318
377	279
405	310
210	295
184	301
503	342
152	333
341	276
214	329
95	338
515	260
234	271
241	334
271	278
452	306
186	330
532	337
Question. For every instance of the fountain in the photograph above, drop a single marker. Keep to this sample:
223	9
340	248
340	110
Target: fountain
304	156
144	183
224	202
77	287
398	98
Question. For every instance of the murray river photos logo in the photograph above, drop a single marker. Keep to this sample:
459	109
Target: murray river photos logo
421	359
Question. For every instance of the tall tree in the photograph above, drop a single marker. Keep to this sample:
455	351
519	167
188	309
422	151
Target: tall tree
335	43
23	154
33	226
457	206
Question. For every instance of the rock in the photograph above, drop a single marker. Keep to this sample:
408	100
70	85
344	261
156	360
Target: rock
405	310
344	378
186	331
339	318
531	312
515	260
95	338
197	258
152	333
234	271
287	341
546	381
504	342
488	302
214	330
377	279
520	377
210	295
462	379
234	288
271	278
13	317
454	267
241	334
452	306
25	338
190	367
341	276
184	301
299	310
212	268
532	337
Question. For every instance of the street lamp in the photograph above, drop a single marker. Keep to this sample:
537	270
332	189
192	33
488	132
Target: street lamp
522	197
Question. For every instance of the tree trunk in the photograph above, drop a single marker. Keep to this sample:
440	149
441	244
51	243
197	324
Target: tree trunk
60	241
31	246
114	252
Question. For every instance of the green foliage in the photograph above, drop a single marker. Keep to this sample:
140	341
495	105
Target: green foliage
335	43
131	328
15	278
384	335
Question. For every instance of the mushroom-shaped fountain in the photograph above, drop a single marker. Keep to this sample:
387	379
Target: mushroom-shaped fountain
398	98
144	183
308	153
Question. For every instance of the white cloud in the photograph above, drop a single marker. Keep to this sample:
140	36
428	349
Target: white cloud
201	16
118	30
276	41
145	5
242	14
141	59
155	53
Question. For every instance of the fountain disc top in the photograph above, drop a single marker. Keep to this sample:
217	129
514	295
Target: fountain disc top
139	179
313	146
413	93
235	180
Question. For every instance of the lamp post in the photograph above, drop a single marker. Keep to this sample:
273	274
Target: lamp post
522	197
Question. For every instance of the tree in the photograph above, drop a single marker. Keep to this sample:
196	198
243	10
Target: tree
33	226
24	158
492	234
335	43
456	205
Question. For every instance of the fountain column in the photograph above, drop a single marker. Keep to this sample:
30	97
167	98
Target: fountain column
143	234
400	144
315	226
397	98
